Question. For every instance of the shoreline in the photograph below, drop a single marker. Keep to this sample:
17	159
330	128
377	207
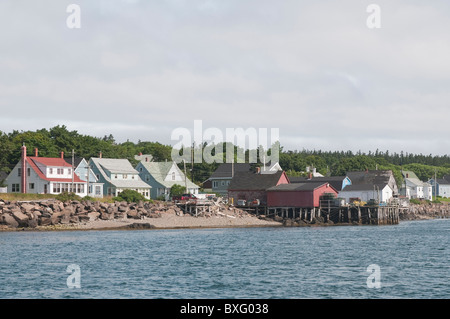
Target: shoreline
181	222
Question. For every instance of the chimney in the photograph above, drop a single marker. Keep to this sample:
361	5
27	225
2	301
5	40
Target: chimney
36	152
23	176
62	154
140	153
310	175
258	170
100	154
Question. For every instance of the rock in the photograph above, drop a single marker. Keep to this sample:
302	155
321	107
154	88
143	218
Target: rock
65	219
170	211
29	207
21	218
123	209
7	219
133	214
106	216
93	215
83	218
139	226
74	219
32	223
45	221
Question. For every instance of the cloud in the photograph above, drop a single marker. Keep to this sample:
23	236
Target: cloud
139	69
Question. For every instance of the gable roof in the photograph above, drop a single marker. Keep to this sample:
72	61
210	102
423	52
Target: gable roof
370	178
310	186
159	171
115	165
253	181
224	170
76	162
335	181
50	161
118	166
31	161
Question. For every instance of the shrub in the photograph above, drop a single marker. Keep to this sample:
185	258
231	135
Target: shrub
66	196
415	201
130	196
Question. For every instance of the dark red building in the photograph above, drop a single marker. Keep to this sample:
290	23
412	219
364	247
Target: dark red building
299	194
246	187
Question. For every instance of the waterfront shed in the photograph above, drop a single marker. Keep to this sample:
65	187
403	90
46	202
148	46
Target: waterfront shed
306	195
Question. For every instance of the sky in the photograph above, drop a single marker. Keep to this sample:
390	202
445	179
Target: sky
313	70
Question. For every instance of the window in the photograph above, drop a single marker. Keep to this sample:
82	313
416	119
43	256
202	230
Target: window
147	178
19	172
50	170
115	176
223	183
28	171
69	171
124	176
31	186
59	171
15	188
173	176
215	184
97	190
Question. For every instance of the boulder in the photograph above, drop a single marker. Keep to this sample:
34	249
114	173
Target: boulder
21	218
27	207
93	215
45	221
9	220
133	214
106	216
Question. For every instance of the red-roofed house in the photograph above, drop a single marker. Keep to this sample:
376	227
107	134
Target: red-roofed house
44	175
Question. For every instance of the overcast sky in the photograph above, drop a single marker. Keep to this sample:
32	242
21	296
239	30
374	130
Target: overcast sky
312	69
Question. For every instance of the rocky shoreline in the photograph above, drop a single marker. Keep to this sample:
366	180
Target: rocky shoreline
93	215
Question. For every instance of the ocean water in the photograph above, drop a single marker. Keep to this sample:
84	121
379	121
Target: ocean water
411	259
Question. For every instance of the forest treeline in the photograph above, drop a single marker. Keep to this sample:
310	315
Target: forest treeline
50	142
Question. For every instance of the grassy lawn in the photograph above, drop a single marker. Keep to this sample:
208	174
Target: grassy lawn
33	197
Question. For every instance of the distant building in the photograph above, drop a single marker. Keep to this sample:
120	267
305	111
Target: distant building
414	187
161	176
305	195
249	186
338	182
118	175
222	176
44	175
82	169
370	185
440	187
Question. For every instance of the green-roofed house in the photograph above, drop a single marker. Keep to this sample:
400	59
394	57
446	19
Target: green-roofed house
117	175
161	176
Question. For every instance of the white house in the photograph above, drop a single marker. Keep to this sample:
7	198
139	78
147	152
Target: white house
366	192
366	185
415	188
44	175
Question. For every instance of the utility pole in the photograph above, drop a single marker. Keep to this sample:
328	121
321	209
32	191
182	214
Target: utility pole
435	185
73	158
185	177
